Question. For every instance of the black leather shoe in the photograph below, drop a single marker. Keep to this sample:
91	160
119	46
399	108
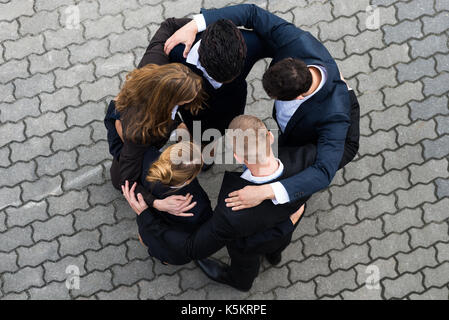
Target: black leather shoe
274	259
217	271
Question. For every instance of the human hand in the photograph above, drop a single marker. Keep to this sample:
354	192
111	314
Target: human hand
138	205
176	205
185	35
297	215
249	196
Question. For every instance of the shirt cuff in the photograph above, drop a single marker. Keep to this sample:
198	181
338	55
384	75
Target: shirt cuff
200	22
280	194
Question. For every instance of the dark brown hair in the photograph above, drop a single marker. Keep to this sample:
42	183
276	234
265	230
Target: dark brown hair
287	79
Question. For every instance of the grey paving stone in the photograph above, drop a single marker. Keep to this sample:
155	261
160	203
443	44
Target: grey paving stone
298	291
142	17
389	56
349	257
387	16
403	285
81	241
84	114
336	48
111	66
436	85
377	142
53	228
39	22
135	250
6	91
34	85
30	149
26	214
118	233
193	279
436	148
416	195
9	30
105	258
88	51
159	287
74	75
35	255
365	126
381	268
83	177
336	282
387	119
308	227
94	217
24	46
87	10
338	28
121	293
8	262
442	187
45	124
18	172
428	235
416	260
414	9
23	279
52	291
403	157
55	163
322	243
99	89
436	24
59	99
442	125
432	294
60	270
429	46
442	62
403	94
336	217
312	14
363	167
429	107
416	69
4	157
94	282
442	5
388	246
354	64
103	26
349	8
13	69
363	42
389	182
362	232
403	220
19	109
116	6
42	188
10	197
98	131
429	171
46	5
403	32
349	193
14	296
415	132
62	38
376	206
362	293
442	252
103	194
269	279
377	79
130	40
71	138
436	277
309	269
132	272
68	202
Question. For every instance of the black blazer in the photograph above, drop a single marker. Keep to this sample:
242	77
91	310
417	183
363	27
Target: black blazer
245	229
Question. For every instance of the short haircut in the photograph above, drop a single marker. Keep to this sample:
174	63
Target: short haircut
287	79
222	51
249	139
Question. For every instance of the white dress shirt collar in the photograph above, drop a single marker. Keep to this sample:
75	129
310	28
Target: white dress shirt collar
194	58
247	175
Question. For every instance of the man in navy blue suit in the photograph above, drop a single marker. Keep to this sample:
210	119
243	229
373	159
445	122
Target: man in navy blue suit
312	101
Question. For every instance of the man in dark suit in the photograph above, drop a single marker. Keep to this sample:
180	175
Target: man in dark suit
251	143
312	102
222	55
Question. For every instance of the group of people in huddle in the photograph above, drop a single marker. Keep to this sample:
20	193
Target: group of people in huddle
193	72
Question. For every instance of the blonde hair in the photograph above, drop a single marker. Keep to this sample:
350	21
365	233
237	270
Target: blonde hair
178	164
249	139
149	95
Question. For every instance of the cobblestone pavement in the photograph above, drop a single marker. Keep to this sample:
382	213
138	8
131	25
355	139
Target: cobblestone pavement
385	214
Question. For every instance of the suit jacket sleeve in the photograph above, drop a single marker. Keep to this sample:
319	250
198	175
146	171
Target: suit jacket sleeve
205	241
155	51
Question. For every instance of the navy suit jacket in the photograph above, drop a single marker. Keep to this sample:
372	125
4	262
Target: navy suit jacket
323	119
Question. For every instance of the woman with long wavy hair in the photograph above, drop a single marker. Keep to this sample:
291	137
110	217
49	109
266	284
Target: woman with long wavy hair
143	116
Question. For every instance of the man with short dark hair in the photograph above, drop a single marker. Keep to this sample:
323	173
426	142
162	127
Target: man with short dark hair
312	101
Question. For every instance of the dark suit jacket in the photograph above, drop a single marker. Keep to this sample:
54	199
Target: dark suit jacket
246	229
323	119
